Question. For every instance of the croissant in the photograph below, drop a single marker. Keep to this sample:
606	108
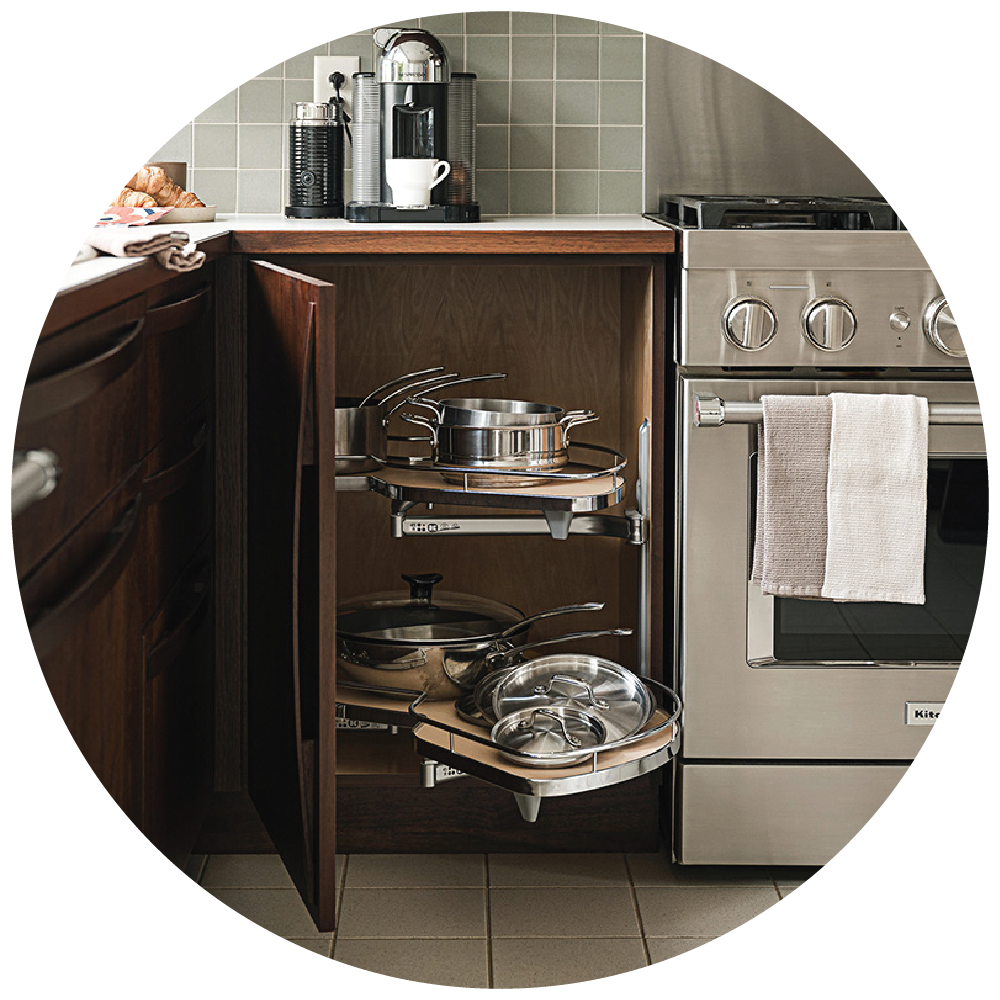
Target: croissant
155	182
129	198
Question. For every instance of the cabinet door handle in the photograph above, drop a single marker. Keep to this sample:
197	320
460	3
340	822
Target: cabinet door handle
160	319
175	476
171	644
55	393
53	624
34	476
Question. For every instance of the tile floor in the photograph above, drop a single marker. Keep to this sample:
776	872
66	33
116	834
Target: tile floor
502	920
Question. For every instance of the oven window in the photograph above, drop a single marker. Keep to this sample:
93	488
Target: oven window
957	502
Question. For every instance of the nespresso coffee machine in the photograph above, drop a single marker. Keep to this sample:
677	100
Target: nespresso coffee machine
413	108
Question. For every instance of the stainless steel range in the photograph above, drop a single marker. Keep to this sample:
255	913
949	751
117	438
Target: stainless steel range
802	715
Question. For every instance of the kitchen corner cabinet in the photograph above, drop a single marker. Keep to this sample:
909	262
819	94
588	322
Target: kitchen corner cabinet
114	562
580	329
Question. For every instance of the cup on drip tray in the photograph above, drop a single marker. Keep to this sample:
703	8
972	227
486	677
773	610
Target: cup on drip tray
411	179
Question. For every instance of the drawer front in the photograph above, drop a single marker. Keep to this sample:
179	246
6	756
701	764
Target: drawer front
82	606
178	653
179	354
178	504
82	402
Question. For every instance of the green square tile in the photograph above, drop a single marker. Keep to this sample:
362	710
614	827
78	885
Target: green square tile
295	91
577	57
491	191
575	26
530	192
300	67
491	147
619	192
355	45
260	101
617	29
531	147
531	57
259	192
621	148
223	110
275	71
531	102
621	103
525	23
177	147
576	148
487	56
215	187
621	57
214	146
576	192
487	22
576	102
454	47
259	149
449	24
492	102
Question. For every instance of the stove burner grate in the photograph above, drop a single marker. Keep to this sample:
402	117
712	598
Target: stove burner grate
760	212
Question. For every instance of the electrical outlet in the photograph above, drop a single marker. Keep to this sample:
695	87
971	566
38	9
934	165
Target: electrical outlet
323	67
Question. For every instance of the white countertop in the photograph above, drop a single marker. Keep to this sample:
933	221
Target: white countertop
89	271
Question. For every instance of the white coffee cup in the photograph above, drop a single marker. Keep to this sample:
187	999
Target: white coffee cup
411	180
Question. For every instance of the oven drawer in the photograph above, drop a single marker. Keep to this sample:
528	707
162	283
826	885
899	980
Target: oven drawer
776	814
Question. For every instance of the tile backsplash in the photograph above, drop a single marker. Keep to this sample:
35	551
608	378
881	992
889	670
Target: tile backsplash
560	113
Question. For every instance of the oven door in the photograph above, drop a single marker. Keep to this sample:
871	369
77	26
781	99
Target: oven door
768	678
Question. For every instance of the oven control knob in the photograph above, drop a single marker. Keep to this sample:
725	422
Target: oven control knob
829	323
749	323
940	328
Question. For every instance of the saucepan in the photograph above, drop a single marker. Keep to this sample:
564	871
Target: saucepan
431	642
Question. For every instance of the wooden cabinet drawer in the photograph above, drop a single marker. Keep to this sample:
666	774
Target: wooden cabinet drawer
178	653
82	606
180	352
178	504
82	401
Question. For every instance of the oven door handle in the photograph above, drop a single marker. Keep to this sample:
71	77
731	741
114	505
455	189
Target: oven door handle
713	411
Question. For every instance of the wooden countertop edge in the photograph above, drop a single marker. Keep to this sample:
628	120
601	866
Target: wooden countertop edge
512	241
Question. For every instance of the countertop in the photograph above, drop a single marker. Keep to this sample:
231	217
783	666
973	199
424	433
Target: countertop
500	234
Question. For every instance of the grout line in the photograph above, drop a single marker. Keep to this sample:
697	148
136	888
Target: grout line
489	927
638	914
338	904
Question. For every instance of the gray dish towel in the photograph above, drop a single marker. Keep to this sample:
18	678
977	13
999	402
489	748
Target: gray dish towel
876	499
789	558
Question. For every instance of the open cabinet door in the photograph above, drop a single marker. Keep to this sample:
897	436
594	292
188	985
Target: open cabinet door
291	571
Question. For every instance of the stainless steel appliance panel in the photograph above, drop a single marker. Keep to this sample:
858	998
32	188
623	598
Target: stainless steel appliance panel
783	713
777	814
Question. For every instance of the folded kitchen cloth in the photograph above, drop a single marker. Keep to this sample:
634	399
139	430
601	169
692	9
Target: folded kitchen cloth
126	241
789	557
185	258
876	498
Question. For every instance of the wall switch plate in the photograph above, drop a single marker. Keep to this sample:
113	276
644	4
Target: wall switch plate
323	66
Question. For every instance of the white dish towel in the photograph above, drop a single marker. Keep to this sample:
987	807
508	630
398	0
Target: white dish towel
876	499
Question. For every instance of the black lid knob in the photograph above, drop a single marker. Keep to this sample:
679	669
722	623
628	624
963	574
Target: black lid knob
421	584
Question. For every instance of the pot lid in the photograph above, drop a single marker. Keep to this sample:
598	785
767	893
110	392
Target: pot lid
419	616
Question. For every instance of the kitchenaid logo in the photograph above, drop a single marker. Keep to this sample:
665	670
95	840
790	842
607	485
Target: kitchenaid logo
429	527
923	713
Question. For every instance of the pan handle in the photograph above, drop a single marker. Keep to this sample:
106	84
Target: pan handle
493	658
396	381
426	383
566	610
573	417
416	418
442	384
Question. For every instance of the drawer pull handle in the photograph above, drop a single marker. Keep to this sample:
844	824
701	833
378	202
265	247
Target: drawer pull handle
171	644
55	393
53	624
178	475
160	319
34	477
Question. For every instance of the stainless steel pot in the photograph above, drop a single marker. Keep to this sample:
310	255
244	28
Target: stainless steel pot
422	641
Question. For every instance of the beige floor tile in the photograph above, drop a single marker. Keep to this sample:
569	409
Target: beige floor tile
528	962
321	946
195	866
549	913
660	949
784	890
658	869
245	871
278	910
523	870
445	962
412	913
700	911
408	871
792	874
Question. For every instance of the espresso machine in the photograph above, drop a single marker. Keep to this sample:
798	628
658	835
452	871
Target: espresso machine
412	107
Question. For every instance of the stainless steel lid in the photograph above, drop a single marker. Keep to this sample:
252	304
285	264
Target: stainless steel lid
311	113
563	735
421	616
412	56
